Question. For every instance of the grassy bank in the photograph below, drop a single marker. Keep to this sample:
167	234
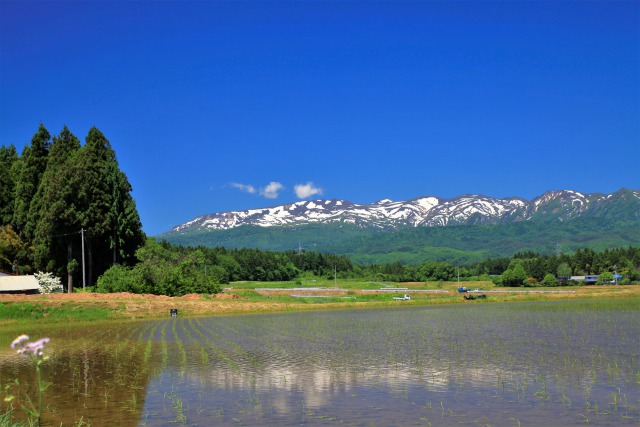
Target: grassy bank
252	297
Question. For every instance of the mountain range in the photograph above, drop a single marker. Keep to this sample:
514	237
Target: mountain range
340	225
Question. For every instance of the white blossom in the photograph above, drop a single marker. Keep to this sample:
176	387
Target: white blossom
48	282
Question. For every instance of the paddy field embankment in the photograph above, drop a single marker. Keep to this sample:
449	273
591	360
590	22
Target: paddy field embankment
257	297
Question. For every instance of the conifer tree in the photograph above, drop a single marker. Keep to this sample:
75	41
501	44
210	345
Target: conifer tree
56	218
56	189
34	163
126	229
104	205
8	162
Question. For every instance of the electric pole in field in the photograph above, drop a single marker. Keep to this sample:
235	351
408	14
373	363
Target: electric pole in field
84	275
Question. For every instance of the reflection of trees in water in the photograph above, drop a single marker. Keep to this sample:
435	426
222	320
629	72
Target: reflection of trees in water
97	386
162	371
534	351
318	382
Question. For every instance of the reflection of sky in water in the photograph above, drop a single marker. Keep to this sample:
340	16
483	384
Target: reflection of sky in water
446	366
529	363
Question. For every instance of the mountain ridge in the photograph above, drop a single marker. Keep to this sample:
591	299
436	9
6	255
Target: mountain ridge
429	211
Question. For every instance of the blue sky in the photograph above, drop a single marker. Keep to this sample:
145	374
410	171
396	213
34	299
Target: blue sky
219	106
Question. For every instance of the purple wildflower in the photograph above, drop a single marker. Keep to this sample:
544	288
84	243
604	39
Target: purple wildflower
18	342
34	349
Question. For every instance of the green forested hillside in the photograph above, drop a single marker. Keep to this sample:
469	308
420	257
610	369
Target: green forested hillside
456	244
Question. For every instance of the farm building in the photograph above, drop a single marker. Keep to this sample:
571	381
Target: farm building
18	285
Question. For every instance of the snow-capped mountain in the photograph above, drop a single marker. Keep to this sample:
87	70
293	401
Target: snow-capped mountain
427	211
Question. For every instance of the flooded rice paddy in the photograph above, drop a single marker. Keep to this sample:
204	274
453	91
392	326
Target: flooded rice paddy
555	363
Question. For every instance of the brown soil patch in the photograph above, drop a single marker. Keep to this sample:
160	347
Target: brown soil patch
227	296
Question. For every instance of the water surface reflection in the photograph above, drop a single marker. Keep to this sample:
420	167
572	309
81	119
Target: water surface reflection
564	363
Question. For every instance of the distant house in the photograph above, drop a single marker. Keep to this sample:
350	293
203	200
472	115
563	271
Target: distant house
589	279
19	285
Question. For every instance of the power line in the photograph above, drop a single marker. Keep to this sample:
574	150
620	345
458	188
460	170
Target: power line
67	234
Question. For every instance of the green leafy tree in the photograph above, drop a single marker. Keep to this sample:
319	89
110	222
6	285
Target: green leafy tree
14	253
120	278
519	274
515	275
535	266
584	261
72	268
628	270
605	278
218	274
230	266
162	271
506	278
550	280
564	270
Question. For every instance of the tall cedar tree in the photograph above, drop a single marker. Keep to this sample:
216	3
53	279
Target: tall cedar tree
104	206
34	163
8	162
56	234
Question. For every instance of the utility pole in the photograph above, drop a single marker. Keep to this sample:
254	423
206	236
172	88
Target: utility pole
84	275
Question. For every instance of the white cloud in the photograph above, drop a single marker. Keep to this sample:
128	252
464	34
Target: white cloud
271	191
306	190
244	187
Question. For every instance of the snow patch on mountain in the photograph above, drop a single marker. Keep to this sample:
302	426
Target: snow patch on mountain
424	211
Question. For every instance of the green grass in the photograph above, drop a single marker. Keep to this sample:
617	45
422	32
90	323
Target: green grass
352	299
26	312
355	284
6	420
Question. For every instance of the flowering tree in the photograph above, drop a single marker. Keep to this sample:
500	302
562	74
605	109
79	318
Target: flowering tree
48	282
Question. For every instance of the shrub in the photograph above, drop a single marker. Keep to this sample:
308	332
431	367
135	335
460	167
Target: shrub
48	282
605	278
119	279
550	280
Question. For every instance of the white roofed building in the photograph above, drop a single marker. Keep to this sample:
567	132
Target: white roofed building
19	285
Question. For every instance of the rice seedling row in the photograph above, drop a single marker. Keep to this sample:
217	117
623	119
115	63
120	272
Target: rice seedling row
571	362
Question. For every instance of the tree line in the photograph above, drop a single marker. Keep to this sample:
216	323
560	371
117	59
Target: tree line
167	269
58	197
524	268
